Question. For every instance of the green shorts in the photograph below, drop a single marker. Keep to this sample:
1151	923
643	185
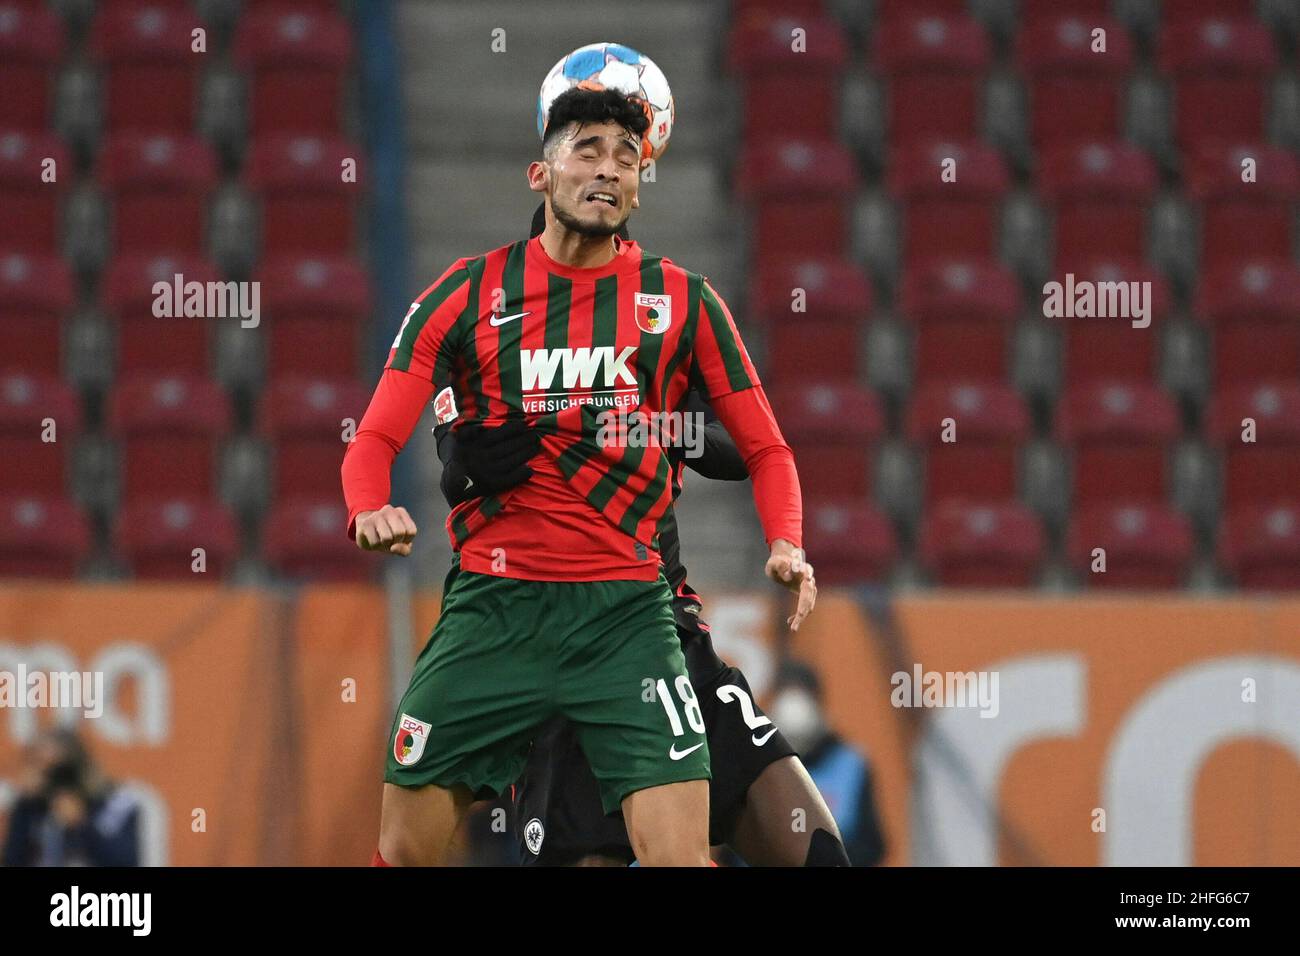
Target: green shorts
506	655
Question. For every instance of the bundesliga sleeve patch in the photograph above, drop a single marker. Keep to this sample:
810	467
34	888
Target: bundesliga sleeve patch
408	744
653	312
444	406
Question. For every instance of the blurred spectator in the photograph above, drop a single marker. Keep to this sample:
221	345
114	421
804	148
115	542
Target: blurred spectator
67	813
842	774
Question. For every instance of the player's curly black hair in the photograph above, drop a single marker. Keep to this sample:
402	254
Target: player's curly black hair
592	106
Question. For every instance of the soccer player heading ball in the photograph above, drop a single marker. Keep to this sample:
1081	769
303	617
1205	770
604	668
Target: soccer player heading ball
556	603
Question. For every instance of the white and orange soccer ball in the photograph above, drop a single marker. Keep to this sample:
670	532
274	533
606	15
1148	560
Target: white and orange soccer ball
612	66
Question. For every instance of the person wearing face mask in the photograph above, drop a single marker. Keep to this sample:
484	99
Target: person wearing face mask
841	773
67	813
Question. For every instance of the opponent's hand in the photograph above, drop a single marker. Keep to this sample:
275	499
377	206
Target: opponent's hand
496	458
788	567
388	529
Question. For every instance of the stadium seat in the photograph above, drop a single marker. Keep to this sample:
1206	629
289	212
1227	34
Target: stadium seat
157	538
36	292
31	207
31	49
1100	193
314	312
788	92
1120	435
28	403
958	218
145	341
169	428
303	419
832	428
891	9
848	542
308	541
833	290
1147	545
1259	544
798	191
1239	218
934	68
296	58
966	543
160	183
307	207
798	347
1075	94
990	422
1267	469
41	536
149	67
1220	68
1109	347
1253	308
962	310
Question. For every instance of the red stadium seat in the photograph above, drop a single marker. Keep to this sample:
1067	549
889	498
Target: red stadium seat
1244	218
966	543
768	8
832	429
308	540
1120	435
940	218
1220	68
314	310
962	310
1100	193
169	429
1147	546
150	69
42	536
306	205
304	419
297	59
157	538
1075	94
1032	11
146	342
798	347
1253	308
891	9
848	541
30	206
1109	347
28	403
990	423
36	292
31	48
833	290
160	185
1267	469
934	67
798	191
1259	544
788	92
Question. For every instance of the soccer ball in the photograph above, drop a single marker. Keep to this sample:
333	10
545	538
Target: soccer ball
612	66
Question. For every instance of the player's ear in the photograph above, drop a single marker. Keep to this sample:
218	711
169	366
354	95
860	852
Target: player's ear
539	176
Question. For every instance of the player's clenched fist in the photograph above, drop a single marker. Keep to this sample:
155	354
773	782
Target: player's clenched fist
788	567
388	529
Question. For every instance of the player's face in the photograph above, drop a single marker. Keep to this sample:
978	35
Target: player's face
594	178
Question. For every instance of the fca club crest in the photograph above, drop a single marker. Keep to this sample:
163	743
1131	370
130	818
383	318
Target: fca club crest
408	744
653	311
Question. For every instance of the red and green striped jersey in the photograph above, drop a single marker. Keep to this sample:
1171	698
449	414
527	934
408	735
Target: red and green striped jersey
515	333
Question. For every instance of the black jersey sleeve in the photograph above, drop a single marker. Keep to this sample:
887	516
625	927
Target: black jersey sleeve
720	458
454	484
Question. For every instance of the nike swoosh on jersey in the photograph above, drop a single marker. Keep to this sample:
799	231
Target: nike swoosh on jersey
766	737
502	320
676	755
